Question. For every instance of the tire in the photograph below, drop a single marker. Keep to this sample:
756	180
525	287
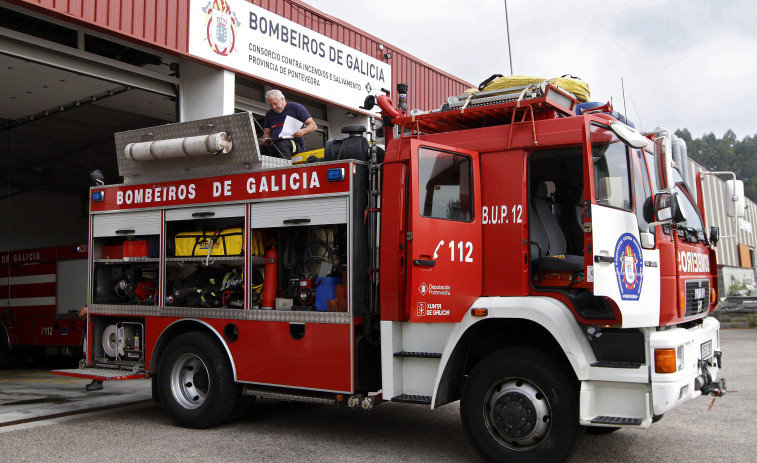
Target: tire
519	406
195	382
601	430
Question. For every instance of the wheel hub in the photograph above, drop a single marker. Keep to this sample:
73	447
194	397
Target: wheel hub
514	415
189	381
518	413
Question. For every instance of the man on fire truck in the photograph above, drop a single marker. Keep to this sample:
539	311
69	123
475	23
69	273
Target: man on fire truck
276	119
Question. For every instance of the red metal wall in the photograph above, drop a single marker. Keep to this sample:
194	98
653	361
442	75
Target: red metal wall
163	24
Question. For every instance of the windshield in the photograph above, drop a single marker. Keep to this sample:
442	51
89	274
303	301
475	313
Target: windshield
693	226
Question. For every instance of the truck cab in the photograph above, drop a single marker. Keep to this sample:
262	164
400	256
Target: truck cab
569	240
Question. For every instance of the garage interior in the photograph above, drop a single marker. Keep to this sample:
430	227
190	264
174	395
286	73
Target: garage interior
64	94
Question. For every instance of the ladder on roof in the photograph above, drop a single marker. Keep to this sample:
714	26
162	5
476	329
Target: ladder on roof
508	106
500	95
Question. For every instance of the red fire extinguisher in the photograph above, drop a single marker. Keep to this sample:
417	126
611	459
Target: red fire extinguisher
270	283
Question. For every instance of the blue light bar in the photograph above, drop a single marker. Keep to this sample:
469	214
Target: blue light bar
336	174
97	196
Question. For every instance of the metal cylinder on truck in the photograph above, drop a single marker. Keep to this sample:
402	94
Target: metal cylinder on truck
270	281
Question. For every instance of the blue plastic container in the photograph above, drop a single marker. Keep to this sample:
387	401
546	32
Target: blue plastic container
324	291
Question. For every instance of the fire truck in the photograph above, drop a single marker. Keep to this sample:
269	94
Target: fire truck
535	258
41	292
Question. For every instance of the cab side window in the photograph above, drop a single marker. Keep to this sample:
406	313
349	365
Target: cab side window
445	187
611	170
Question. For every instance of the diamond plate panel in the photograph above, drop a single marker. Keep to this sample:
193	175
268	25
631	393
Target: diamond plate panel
106	374
339	318
244	155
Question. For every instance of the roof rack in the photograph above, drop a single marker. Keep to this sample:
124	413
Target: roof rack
512	105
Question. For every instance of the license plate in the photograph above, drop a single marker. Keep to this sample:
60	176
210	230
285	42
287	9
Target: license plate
706	348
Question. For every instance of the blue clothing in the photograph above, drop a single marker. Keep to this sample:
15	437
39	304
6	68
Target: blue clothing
275	121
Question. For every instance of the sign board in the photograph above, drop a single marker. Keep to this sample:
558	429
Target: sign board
744	225
246	38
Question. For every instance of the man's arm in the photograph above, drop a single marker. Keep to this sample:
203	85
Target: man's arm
266	136
309	128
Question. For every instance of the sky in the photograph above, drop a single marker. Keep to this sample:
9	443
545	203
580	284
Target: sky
683	63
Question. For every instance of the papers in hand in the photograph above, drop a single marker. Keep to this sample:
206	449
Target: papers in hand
291	125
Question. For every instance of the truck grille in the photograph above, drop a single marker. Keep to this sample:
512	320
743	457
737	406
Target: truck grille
697	297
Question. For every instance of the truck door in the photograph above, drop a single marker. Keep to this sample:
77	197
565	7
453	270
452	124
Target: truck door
444	236
622	270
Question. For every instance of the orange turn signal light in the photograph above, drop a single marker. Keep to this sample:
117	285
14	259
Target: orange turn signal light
479	312
665	361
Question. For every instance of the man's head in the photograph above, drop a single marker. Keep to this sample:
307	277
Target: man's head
275	100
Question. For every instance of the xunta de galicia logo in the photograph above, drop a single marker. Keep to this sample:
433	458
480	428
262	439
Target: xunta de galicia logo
629	266
221	26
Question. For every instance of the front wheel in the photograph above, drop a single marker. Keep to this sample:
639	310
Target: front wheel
195	382
518	406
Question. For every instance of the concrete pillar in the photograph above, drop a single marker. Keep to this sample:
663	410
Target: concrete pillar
205	92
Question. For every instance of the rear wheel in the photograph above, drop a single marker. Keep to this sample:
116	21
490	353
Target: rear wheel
195	381
518	406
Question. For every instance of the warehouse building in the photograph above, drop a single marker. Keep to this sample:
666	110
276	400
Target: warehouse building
736	248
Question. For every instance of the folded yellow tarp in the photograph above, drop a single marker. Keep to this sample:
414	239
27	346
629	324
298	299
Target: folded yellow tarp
228	242
577	87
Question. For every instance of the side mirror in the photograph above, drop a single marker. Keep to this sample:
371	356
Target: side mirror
663	208
735	205
714	235
667	208
628	135
663	163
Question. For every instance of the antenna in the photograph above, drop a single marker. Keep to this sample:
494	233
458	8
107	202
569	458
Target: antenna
623	91
509	51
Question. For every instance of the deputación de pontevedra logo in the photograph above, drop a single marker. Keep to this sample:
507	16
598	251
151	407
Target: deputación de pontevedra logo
221	26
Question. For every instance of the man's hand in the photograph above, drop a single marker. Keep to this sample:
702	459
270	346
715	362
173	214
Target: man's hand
310	127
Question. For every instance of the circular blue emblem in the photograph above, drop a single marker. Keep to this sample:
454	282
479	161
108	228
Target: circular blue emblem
629	266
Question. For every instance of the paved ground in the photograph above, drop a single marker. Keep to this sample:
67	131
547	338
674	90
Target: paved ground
293	432
30	393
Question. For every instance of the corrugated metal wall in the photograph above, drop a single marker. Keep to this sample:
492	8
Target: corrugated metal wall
714	206
161	23
164	23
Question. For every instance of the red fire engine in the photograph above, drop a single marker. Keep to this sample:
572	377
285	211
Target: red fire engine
542	263
41	292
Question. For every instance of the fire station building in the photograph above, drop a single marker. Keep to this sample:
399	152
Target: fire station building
75	72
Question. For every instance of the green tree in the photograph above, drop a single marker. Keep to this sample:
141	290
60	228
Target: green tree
727	153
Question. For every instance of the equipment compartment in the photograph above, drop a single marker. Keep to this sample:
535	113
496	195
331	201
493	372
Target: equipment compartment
117	342
125	283
205	257
312	267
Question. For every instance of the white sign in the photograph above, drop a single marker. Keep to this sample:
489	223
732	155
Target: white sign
255	41
744	225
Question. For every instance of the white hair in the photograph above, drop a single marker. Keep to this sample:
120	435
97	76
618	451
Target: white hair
274	93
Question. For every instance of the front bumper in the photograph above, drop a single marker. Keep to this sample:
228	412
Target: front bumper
699	366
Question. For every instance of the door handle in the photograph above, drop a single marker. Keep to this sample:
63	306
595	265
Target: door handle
604	259
424	263
203	214
296	221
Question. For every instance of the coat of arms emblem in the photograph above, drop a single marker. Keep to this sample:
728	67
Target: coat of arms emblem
221	25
